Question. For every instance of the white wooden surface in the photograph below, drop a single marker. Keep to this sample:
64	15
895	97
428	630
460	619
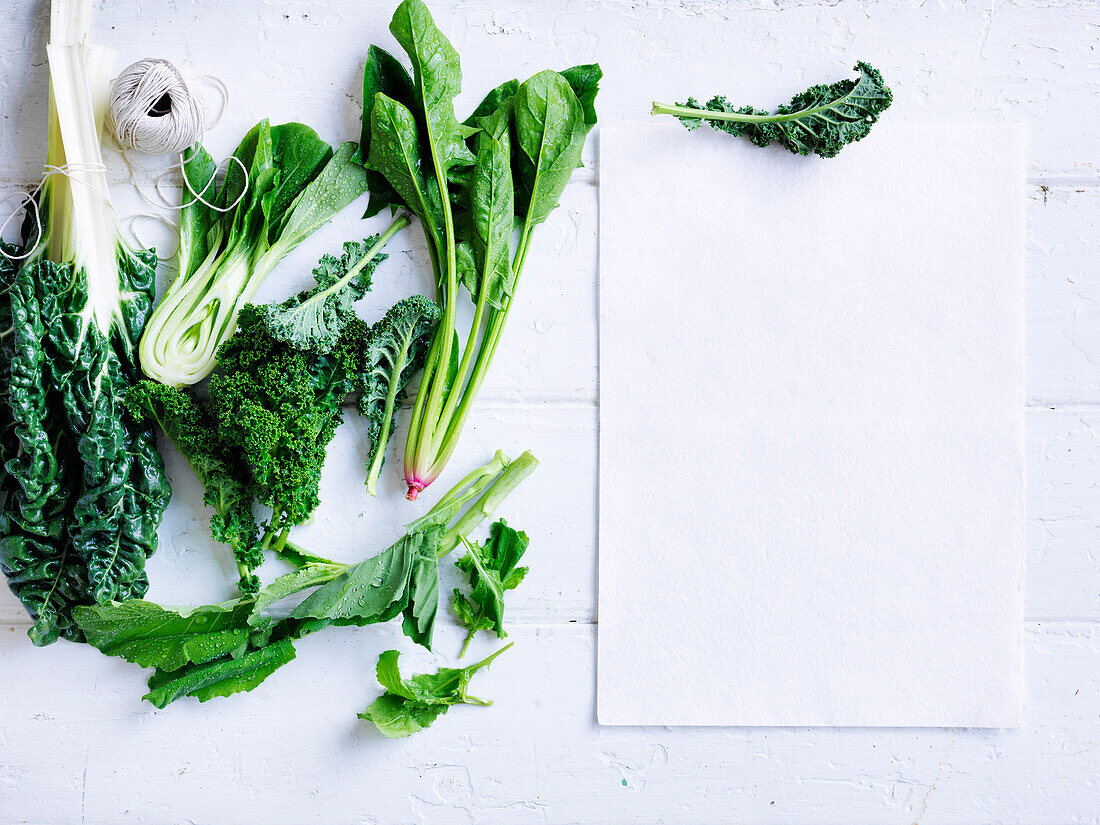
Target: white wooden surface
77	744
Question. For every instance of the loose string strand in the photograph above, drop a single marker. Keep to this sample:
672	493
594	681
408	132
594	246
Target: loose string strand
31	199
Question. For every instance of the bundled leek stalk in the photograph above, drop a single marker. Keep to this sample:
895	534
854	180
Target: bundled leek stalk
84	487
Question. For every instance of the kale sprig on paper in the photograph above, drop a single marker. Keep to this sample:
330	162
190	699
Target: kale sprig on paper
821	120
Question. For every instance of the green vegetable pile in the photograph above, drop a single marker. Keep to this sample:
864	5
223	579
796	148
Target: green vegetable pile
222	649
821	120
473	185
88	370
84	487
294	184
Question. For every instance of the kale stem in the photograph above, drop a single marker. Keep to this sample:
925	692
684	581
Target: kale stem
485	506
737	117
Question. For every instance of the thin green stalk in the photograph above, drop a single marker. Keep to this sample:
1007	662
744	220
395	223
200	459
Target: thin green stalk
737	117
490	500
466	644
445	330
457	390
413	439
497	318
465	491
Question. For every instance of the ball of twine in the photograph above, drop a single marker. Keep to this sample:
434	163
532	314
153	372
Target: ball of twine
154	109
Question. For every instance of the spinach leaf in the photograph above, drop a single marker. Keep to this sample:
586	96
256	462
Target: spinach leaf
410	705
550	132
491	217
584	80
437	79
382	73
395	154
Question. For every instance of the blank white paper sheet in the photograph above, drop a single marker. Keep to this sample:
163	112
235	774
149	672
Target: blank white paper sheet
812	429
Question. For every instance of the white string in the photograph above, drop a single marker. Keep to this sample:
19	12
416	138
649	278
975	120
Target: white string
153	216
141	121
153	109
30	198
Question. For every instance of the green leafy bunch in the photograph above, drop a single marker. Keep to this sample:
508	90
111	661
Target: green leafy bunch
221	649
473	185
83	487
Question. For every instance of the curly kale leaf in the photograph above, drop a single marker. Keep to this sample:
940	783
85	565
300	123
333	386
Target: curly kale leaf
491	570
229	490
821	120
410	705
279	407
396	349
313	320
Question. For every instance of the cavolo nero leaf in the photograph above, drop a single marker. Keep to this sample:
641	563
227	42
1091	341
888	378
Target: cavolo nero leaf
491	570
410	705
821	120
395	351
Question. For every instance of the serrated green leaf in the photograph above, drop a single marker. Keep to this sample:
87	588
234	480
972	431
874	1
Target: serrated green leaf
220	677
153	636
491	571
410	705
397	718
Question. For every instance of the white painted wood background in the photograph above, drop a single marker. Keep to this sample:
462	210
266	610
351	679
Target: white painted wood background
78	745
